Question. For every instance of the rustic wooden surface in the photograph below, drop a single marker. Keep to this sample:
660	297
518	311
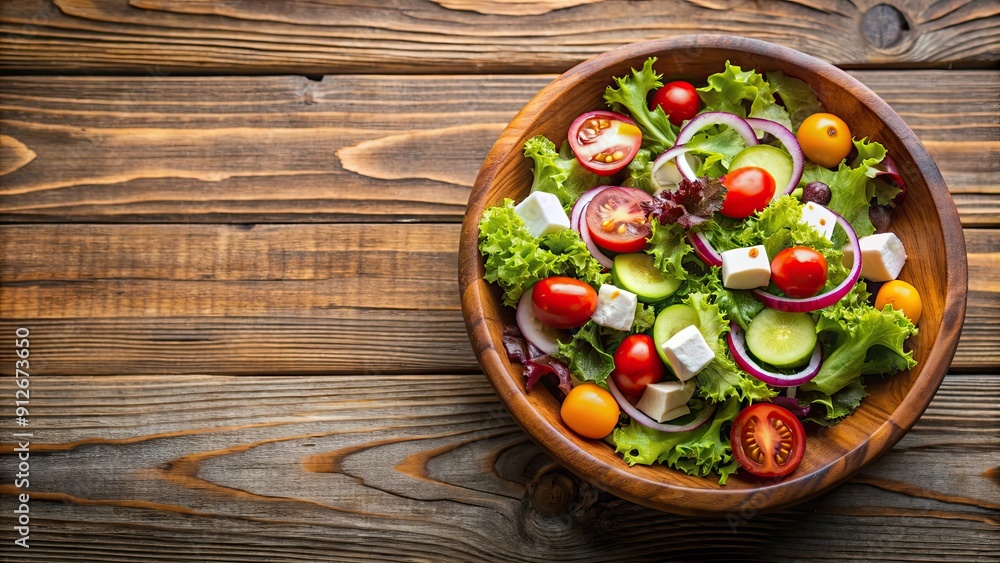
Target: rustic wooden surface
246	333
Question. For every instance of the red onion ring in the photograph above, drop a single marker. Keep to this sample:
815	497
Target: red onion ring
538	335
641	417
791	143
822	300
589	241
577	212
676	152
737	346
704	249
889	169
708	119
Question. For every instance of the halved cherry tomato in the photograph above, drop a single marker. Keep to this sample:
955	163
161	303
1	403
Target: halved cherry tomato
637	364
825	139
750	189
616	220
604	141
561	302
767	440
799	271
590	411
902	296
679	101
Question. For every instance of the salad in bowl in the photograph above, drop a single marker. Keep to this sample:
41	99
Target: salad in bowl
702	276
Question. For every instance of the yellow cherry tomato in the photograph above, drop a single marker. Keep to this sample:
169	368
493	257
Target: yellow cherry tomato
825	139
902	296
590	411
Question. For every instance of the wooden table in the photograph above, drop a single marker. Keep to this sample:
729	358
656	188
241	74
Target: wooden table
231	229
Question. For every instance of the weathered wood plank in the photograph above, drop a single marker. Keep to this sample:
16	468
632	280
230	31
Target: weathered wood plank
458	35
351	148
432	467
223	299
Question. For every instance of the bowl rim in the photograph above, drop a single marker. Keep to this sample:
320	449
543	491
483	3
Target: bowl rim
684	499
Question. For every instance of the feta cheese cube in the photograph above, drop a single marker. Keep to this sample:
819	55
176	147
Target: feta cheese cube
821	218
666	400
882	257
615	308
688	352
542	214
746	268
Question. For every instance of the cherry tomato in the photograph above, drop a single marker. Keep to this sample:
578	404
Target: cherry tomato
604	141
590	411
902	296
679	101
561	302
767	440
750	189
799	271
616	220
637	364
825	139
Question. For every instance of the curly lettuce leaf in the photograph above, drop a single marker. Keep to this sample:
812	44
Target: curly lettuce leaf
585	354
559	172
865	340
828	410
640	172
669	247
693	203
797	96
645	316
722	379
716	150
745	93
515	259
630	96
852	186
697	452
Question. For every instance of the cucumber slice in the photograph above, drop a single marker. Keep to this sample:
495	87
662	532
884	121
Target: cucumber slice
635	272
784	340
776	161
669	322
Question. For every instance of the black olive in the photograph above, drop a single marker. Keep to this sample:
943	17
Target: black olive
880	218
816	192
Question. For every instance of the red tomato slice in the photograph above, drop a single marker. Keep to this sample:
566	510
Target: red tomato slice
604	141
616	220
768	440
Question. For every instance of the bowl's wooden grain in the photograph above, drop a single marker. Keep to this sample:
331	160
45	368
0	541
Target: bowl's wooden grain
928	225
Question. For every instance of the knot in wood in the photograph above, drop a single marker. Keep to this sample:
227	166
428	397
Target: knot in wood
884	26
552	493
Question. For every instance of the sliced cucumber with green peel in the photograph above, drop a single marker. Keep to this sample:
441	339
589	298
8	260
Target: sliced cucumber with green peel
669	322
635	272
776	161
784	340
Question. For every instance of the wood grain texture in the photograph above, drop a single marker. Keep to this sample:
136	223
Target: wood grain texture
459	36
353	148
433	467
224	299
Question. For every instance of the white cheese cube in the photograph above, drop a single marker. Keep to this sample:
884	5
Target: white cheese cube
615	308
688	353
821	218
542	214
882	257
746	268
664	401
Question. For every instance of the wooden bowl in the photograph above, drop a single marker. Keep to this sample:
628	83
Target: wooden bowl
927	223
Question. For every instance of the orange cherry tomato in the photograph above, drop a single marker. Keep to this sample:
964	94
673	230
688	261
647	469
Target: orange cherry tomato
902	296
825	139
590	411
